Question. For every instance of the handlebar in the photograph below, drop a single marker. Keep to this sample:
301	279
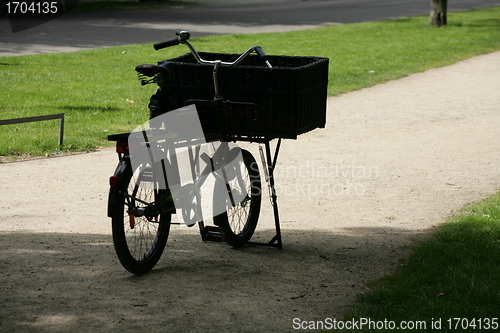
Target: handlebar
168	43
182	38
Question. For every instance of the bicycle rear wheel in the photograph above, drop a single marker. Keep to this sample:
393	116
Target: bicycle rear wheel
238	223
140	232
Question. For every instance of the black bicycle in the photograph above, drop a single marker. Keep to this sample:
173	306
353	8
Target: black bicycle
150	182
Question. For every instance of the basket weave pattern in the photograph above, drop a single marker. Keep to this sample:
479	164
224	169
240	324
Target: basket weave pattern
290	98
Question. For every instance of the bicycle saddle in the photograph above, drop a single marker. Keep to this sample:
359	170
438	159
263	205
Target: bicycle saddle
152	70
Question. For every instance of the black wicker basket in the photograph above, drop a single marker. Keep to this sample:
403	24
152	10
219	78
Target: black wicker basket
290	98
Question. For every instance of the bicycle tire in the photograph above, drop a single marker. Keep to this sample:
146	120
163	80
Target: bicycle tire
139	245
238	223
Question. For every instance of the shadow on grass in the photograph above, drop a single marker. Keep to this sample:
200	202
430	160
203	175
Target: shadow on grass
65	282
90	108
479	23
399	20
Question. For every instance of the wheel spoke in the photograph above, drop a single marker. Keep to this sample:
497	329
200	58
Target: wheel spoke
141	232
239	222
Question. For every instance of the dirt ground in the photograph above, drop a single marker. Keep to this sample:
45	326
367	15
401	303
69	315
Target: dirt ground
394	161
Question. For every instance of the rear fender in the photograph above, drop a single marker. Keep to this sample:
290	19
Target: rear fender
121	171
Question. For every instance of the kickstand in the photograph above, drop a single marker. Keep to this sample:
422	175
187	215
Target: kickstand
269	166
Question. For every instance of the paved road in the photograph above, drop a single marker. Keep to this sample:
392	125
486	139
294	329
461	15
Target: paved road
76	31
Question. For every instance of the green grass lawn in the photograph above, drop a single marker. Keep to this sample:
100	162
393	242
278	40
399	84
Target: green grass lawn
454	273
99	93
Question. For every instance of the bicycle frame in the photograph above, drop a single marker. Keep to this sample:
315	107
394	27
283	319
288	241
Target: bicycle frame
166	175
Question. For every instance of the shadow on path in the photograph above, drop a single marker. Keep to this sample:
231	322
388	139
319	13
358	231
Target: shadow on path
73	282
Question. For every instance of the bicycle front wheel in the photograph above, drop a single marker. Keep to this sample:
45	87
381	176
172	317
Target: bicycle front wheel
140	231
238	222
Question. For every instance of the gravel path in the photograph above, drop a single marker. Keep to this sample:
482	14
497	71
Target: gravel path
394	160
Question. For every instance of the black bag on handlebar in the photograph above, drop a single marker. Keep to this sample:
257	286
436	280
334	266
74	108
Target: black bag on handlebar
160	103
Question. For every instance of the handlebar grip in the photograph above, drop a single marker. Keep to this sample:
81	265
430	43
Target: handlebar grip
263	56
261	53
168	43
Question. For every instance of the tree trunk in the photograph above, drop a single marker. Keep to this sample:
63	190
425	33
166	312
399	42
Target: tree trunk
438	13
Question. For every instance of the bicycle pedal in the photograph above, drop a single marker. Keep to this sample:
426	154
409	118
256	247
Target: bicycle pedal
212	234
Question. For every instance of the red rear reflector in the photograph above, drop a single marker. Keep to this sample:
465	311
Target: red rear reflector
122	147
114	181
131	220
